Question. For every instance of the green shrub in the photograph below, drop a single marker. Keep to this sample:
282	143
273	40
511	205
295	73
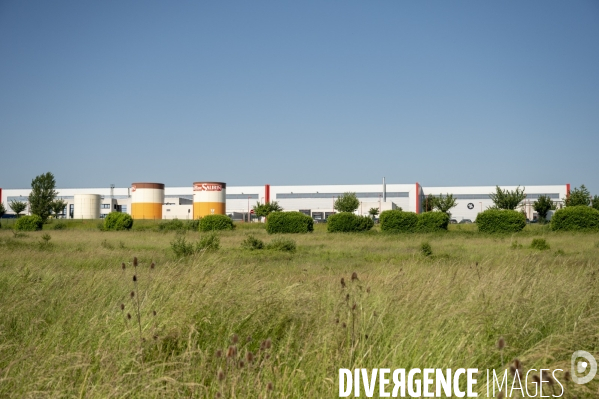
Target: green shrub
429	222
252	243
118	221
282	244
209	242
59	226
179	225
181	247
346	222
426	249
29	223
289	222
540	244
575	218
500	221
216	222
398	221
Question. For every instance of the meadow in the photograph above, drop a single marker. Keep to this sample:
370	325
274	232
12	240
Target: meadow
239	323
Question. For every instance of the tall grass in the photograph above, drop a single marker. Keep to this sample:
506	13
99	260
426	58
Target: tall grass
63	333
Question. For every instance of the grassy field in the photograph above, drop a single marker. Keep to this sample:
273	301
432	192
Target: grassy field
237	323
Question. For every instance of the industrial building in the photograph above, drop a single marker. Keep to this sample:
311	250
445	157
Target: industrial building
157	201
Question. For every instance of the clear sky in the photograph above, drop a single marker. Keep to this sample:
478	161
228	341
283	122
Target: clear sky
444	93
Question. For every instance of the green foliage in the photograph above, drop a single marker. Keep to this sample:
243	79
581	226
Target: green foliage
543	205
29	223
430	222
398	221
428	204
18	206
426	249
500	221
578	196
252	243
575	218
42	194
57	206
282	244
208	242
118	221
2	209
505	199
348	202
216	222
179	225
346	222
595	202
181	247
540	244
373	212
263	210
289	222
444	203
59	226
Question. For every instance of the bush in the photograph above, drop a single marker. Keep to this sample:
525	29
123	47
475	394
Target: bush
540	244
426	249
289	222
430	222
282	244
346	222
181	247
118	221
209	242
500	221
29	223
179	225
398	221
575	218
252	243
216	222
59	226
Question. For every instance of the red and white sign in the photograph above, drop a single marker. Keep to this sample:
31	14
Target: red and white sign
207	187
133	188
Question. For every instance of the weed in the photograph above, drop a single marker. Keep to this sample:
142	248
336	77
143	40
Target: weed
540	244
45	242
282	244
515	245
209	242
181	247
106	244
426	249
252	243
59	226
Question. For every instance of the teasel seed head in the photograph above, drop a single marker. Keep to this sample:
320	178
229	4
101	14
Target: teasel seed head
517	364
353	307
567	376
134	278
536	378
132	294
221	375
354	276
249	357
337	320
155	337
218	395
268	343
343	325
123	265
122	306
135	261
241	364
368	290
153	313
500	395
218	353
152	265
342	282
129	316
270	386
235	338
501	343
248	339
347	298
267	356
512	370
232	351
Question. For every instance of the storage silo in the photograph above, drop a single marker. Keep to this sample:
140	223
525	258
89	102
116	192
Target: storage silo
209	198
86	206
147	200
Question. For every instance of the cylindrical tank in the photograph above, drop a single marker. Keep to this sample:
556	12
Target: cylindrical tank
147	200
209	198
86	206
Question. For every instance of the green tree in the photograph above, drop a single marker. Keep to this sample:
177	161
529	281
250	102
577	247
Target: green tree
373	212
542	206
505	199
429	203
2	210
57	207
18	207
263	210
42	195
578	196
595	202
348	202
445	203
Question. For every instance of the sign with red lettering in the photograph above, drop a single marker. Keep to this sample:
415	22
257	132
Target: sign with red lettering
207	187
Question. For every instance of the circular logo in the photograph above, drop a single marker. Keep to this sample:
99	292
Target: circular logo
470	205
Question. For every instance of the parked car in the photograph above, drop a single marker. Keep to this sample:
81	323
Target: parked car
465	221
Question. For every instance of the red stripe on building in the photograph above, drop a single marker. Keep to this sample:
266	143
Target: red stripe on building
417	198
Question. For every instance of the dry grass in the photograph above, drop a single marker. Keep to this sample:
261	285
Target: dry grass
63	334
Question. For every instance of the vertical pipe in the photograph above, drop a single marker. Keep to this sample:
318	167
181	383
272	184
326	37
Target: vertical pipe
267	193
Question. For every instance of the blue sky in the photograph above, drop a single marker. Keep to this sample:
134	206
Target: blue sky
288	93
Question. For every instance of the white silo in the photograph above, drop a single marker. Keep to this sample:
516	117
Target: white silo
86	206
